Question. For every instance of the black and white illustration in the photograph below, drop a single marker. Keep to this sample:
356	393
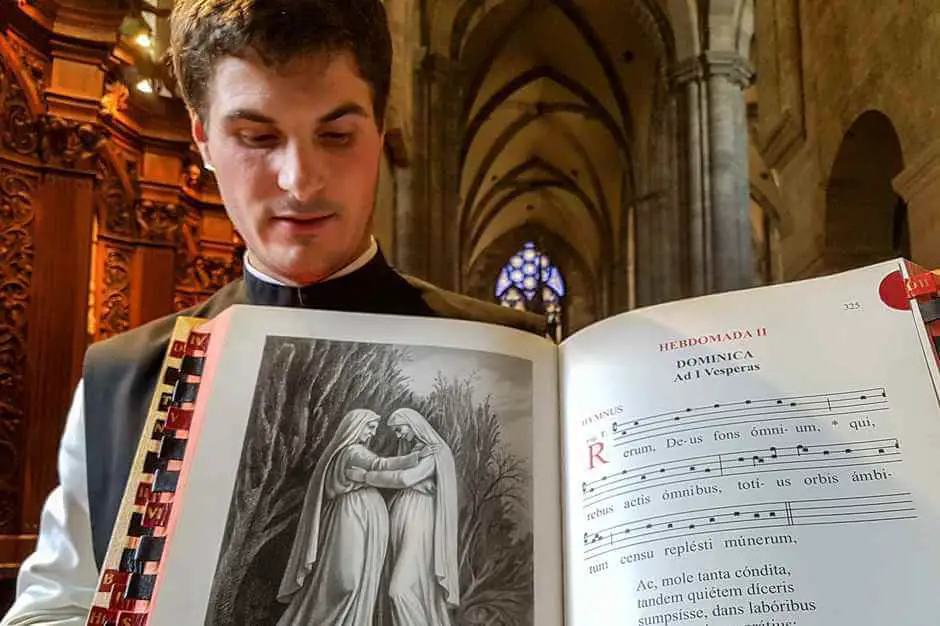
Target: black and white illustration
381	485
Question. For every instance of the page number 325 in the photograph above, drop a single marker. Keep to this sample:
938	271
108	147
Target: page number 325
852	306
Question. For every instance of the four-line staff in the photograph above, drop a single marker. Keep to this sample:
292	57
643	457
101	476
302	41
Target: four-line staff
785	513
777	409
773	459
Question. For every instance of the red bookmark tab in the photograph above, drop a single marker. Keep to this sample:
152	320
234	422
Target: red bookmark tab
119	602
132	619
923	285
198	342
179	419
156	515
178	350
113	579
143	494
100	616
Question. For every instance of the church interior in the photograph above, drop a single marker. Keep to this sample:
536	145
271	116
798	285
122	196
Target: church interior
576	158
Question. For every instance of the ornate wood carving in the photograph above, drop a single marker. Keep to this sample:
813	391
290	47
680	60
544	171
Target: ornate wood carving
115	205
115	99
34	63
197	182
115	314
207	274
19	127
16	267
198	274
195	179
157	221
70	144
184	299
11	437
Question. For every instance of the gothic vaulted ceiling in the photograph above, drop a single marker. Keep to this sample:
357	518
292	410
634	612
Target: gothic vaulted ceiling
559	100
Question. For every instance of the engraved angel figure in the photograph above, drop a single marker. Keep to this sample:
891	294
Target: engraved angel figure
332	574
423	513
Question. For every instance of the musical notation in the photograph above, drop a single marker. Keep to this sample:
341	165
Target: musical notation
745	412
788	513
772	459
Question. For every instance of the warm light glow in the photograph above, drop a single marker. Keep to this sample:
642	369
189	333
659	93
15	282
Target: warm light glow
144	40
144	86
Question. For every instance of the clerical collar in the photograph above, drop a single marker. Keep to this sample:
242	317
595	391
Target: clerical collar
368	285
364	258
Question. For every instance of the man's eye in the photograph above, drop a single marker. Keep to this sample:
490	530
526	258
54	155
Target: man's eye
258	140
336	139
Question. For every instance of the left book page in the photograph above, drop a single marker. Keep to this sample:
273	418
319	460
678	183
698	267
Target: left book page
360	469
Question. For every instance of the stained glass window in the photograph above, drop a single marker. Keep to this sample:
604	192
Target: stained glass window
530	282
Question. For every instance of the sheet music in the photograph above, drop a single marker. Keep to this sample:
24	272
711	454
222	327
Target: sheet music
753	461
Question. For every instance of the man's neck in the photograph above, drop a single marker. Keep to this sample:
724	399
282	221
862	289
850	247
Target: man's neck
358	263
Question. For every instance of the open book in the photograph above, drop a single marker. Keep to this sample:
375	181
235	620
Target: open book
757	458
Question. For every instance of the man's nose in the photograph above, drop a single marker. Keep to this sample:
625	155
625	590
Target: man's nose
301	172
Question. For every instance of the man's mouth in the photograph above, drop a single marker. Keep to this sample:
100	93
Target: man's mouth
306	223
305	218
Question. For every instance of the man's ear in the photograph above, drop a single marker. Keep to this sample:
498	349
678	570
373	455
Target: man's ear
201	137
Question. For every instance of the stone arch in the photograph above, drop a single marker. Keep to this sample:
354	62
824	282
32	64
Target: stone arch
516	183
530	76
475	64
866	220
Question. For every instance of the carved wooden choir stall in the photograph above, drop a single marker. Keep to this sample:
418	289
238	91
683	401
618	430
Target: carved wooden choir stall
108	220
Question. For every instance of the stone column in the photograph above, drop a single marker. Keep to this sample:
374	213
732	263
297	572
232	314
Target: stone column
716	194
404	222
919	185
411	226
432	224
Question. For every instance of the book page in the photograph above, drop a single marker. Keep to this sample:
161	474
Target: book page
755	459
374	470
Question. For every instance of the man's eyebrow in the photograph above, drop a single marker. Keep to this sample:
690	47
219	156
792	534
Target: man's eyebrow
349	108
248	115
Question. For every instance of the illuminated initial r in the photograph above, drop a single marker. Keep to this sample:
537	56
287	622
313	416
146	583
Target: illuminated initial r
594	454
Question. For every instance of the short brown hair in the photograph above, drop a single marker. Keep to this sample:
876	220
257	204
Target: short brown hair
278	31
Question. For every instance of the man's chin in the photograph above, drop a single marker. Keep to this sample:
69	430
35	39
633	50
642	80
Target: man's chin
297	271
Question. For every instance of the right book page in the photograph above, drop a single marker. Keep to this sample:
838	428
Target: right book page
761	458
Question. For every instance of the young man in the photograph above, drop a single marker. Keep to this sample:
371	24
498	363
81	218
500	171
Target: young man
287	100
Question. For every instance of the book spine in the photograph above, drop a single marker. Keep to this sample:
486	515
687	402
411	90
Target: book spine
128	575
923	290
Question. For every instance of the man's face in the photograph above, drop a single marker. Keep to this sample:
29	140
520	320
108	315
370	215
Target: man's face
296	154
